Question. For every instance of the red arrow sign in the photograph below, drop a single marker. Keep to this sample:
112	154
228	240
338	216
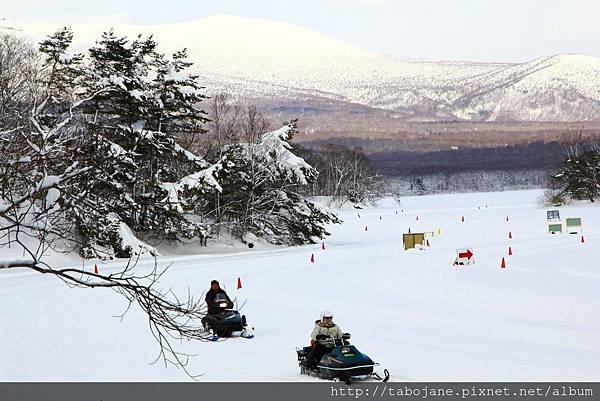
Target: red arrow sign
467	254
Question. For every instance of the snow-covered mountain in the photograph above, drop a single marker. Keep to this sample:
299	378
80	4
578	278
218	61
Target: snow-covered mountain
274	61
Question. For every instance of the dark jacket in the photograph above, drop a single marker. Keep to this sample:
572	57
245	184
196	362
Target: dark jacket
210	300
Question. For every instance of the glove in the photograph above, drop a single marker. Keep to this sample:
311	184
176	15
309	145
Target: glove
321	337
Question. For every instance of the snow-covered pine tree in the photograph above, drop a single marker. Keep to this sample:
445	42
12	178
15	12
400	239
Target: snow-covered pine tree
110	123
114	121
145	100
259	183
60	142
47	167
579	174
54	122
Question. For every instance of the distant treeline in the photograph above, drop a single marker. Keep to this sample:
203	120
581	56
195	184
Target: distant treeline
517	157
465	181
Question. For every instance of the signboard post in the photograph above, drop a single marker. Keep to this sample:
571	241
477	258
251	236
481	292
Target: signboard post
573	225
413	240
552	215
464	256
554	228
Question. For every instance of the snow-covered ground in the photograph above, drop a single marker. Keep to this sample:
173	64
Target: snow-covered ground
409	310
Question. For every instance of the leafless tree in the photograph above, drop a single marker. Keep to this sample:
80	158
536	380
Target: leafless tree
347	174
253	124
224	127
224	119
19	70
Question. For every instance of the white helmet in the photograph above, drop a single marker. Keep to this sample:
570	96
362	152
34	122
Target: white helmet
326	313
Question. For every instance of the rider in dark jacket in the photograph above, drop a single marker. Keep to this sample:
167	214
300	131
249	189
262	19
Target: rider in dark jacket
215	289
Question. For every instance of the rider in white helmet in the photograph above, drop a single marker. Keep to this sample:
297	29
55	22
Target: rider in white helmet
323	335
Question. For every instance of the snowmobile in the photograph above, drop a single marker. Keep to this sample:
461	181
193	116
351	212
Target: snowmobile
227	322
343	363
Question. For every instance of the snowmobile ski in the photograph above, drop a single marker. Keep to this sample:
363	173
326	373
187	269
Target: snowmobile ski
247	333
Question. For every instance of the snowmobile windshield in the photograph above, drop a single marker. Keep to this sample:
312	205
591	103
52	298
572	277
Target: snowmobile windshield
221	298
222	301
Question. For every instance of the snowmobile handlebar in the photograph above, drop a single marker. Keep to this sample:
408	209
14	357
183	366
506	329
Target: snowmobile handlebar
343	340
345	336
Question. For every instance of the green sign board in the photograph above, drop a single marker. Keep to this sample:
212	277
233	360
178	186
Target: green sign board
573	225
555	228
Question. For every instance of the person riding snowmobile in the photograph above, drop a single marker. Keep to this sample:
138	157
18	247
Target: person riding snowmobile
214	309
323	336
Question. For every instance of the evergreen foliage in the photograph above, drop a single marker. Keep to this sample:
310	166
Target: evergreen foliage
103	156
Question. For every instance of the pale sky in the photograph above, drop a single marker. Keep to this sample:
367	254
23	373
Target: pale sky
478	30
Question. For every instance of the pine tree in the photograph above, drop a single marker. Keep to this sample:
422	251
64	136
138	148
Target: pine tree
259	191
132	102
579	175
147	100
104	157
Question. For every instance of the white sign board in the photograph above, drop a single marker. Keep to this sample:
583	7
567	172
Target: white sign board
464	256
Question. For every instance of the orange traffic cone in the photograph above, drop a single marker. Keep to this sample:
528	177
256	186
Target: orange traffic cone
503	264
510	235
239	283
509	251
312	258
95	269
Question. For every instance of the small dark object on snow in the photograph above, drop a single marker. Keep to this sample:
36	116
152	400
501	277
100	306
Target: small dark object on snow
250	245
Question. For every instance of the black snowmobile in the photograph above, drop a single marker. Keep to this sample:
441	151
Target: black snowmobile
343	363
227	322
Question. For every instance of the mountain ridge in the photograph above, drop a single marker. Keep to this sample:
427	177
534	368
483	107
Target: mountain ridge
261	61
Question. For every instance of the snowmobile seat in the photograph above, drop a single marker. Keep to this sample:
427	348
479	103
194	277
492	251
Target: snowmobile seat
303	353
